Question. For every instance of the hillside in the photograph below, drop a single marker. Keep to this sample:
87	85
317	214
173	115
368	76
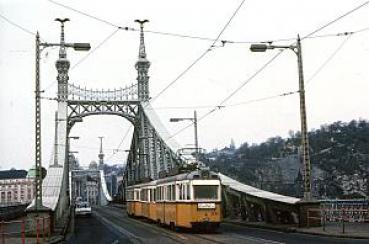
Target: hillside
339	159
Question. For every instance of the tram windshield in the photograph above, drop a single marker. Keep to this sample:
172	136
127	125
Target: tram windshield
204	192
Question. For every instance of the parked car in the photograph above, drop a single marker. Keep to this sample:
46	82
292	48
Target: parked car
83	209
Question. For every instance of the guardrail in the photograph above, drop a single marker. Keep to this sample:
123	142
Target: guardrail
20	229
343	215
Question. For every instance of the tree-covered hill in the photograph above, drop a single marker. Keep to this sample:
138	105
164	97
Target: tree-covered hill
339	157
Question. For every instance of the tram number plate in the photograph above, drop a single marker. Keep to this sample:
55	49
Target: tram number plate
206	205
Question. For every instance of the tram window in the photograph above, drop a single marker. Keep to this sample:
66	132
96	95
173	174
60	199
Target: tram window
152	195
188	192
205	192
173	197
179	191
169	192
130	195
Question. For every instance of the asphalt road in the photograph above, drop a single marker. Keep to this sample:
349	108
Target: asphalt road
111	225
92	231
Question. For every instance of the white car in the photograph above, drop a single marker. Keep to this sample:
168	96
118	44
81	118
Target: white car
83	208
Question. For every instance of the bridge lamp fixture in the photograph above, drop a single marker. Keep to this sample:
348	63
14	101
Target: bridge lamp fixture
296	48
194	120
73	137
40	46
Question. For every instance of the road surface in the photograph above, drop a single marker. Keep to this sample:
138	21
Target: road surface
112	226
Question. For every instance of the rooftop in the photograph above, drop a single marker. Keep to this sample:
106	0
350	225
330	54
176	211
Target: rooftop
12	174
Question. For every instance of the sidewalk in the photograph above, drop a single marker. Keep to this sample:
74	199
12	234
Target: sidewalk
351	230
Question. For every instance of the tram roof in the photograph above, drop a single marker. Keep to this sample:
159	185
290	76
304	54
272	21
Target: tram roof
193	175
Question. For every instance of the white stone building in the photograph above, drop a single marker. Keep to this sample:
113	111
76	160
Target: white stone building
16	186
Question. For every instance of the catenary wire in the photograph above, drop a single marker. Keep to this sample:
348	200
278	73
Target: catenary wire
203	38
220	106
201	56
328	60
247	81
120	143
85	57
17	25
229	105
336	19
95	49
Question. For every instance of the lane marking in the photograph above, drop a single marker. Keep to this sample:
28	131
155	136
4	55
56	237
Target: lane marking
125	232
252	238
158	230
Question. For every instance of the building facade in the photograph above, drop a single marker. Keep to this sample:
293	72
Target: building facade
16	186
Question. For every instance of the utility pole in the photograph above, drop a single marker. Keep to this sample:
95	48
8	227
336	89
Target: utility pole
62	65
196	138
101	154
38	160
304	132
296	48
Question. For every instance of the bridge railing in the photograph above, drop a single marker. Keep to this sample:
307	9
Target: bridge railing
340	216
24	231
79	93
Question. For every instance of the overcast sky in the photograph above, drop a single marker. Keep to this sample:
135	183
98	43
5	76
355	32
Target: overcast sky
338	92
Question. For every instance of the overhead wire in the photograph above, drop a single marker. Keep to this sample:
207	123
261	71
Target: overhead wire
218	107
324	64
203	38
95	49
17	25
120	143
336	19
85	14
104	41
202	55
230	105
310	35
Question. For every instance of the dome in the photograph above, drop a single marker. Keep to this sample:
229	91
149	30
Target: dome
31	172
93	165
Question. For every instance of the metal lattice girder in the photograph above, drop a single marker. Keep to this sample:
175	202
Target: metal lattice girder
79	109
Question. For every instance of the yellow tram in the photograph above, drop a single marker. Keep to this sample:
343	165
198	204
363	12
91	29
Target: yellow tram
190	200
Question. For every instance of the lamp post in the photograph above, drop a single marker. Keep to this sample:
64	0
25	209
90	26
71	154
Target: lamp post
38	163
296	48
71	184
194	120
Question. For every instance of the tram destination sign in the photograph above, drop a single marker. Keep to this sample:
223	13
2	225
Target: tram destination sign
207	205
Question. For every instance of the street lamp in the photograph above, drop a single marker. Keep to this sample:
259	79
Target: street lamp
39	44
194	120
296	48
71	186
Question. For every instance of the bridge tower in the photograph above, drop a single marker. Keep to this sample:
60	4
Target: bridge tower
101	154
142	66
62	65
